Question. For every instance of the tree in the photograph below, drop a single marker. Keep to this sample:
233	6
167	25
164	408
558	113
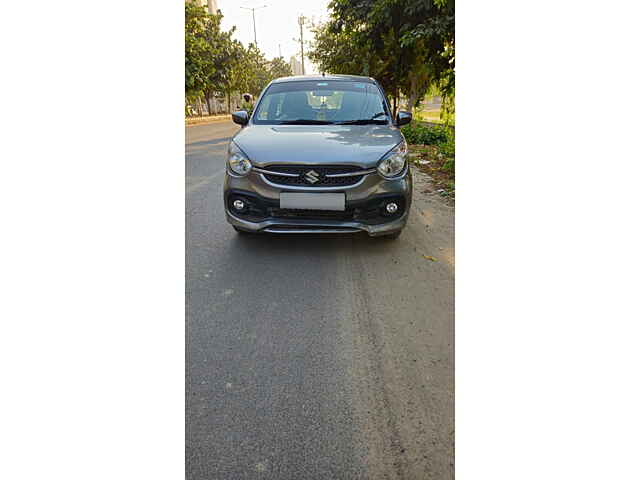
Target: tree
254	71
216	64
211	56
407	45
334	51
435	36
279	68
222	55
257	68
236	76
197	51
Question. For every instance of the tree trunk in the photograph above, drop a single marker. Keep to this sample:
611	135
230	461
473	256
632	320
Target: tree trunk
229	102
414	93
413	96
207	97
411	101
199	103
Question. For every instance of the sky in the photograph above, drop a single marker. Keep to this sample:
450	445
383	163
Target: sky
276	24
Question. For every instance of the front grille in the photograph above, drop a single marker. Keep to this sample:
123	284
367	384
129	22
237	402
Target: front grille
312	214
370	212
321	173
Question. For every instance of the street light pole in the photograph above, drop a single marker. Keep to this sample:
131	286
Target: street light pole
253	11
255	36
301	23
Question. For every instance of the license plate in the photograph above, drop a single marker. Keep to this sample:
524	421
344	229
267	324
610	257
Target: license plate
312	201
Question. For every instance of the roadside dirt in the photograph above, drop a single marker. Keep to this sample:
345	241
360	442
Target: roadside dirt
427	160
401	327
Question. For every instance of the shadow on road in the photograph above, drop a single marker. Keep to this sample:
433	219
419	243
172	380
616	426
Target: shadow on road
289	246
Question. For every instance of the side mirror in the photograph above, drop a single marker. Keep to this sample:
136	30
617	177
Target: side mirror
403	118
240	117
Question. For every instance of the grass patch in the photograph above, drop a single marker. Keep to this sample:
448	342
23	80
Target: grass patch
421	134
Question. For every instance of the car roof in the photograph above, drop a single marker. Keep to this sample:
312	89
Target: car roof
316	78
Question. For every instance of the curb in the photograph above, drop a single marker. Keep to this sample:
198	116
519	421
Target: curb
191	121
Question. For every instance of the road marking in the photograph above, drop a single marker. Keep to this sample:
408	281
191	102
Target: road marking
204	182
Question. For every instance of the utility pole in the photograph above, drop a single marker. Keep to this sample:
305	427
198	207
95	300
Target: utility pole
301	23
253	11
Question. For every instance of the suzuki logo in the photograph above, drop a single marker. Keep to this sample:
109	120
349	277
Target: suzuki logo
312	176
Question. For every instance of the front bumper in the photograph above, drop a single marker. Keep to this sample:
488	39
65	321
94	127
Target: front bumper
277	225
363	204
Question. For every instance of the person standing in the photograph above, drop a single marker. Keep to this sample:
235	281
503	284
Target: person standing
247	103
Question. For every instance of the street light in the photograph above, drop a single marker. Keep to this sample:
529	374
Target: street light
301	20
253	11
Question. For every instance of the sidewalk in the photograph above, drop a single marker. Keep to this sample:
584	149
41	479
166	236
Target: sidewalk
206	119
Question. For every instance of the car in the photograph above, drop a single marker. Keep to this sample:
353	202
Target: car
319	154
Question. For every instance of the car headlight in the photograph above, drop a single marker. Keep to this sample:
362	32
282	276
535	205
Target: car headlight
238	161
393	163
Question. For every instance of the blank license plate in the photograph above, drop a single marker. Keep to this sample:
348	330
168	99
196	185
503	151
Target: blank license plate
312	201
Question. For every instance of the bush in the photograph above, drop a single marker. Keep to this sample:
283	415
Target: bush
420	134
448	149
449	165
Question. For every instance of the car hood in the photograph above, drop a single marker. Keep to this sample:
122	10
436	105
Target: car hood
361	145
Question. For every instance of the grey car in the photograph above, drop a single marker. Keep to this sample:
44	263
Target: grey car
319	154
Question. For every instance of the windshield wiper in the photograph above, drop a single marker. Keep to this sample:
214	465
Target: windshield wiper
363	121
305	121
366	121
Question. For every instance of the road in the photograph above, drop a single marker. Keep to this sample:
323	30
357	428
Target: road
315	357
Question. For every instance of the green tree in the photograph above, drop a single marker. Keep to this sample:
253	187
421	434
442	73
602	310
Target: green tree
213	60
334	51
222	51
236	77
197	51
215	64
279	68
257	69
407	45
434	37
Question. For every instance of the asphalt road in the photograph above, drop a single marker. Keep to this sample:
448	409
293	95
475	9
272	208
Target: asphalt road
314	357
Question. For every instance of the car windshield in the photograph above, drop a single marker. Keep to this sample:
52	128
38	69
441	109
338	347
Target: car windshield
320	103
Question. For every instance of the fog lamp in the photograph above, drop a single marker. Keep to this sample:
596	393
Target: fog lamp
392	207
238	204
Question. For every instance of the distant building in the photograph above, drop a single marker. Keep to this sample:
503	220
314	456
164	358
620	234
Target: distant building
296	66
212	5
